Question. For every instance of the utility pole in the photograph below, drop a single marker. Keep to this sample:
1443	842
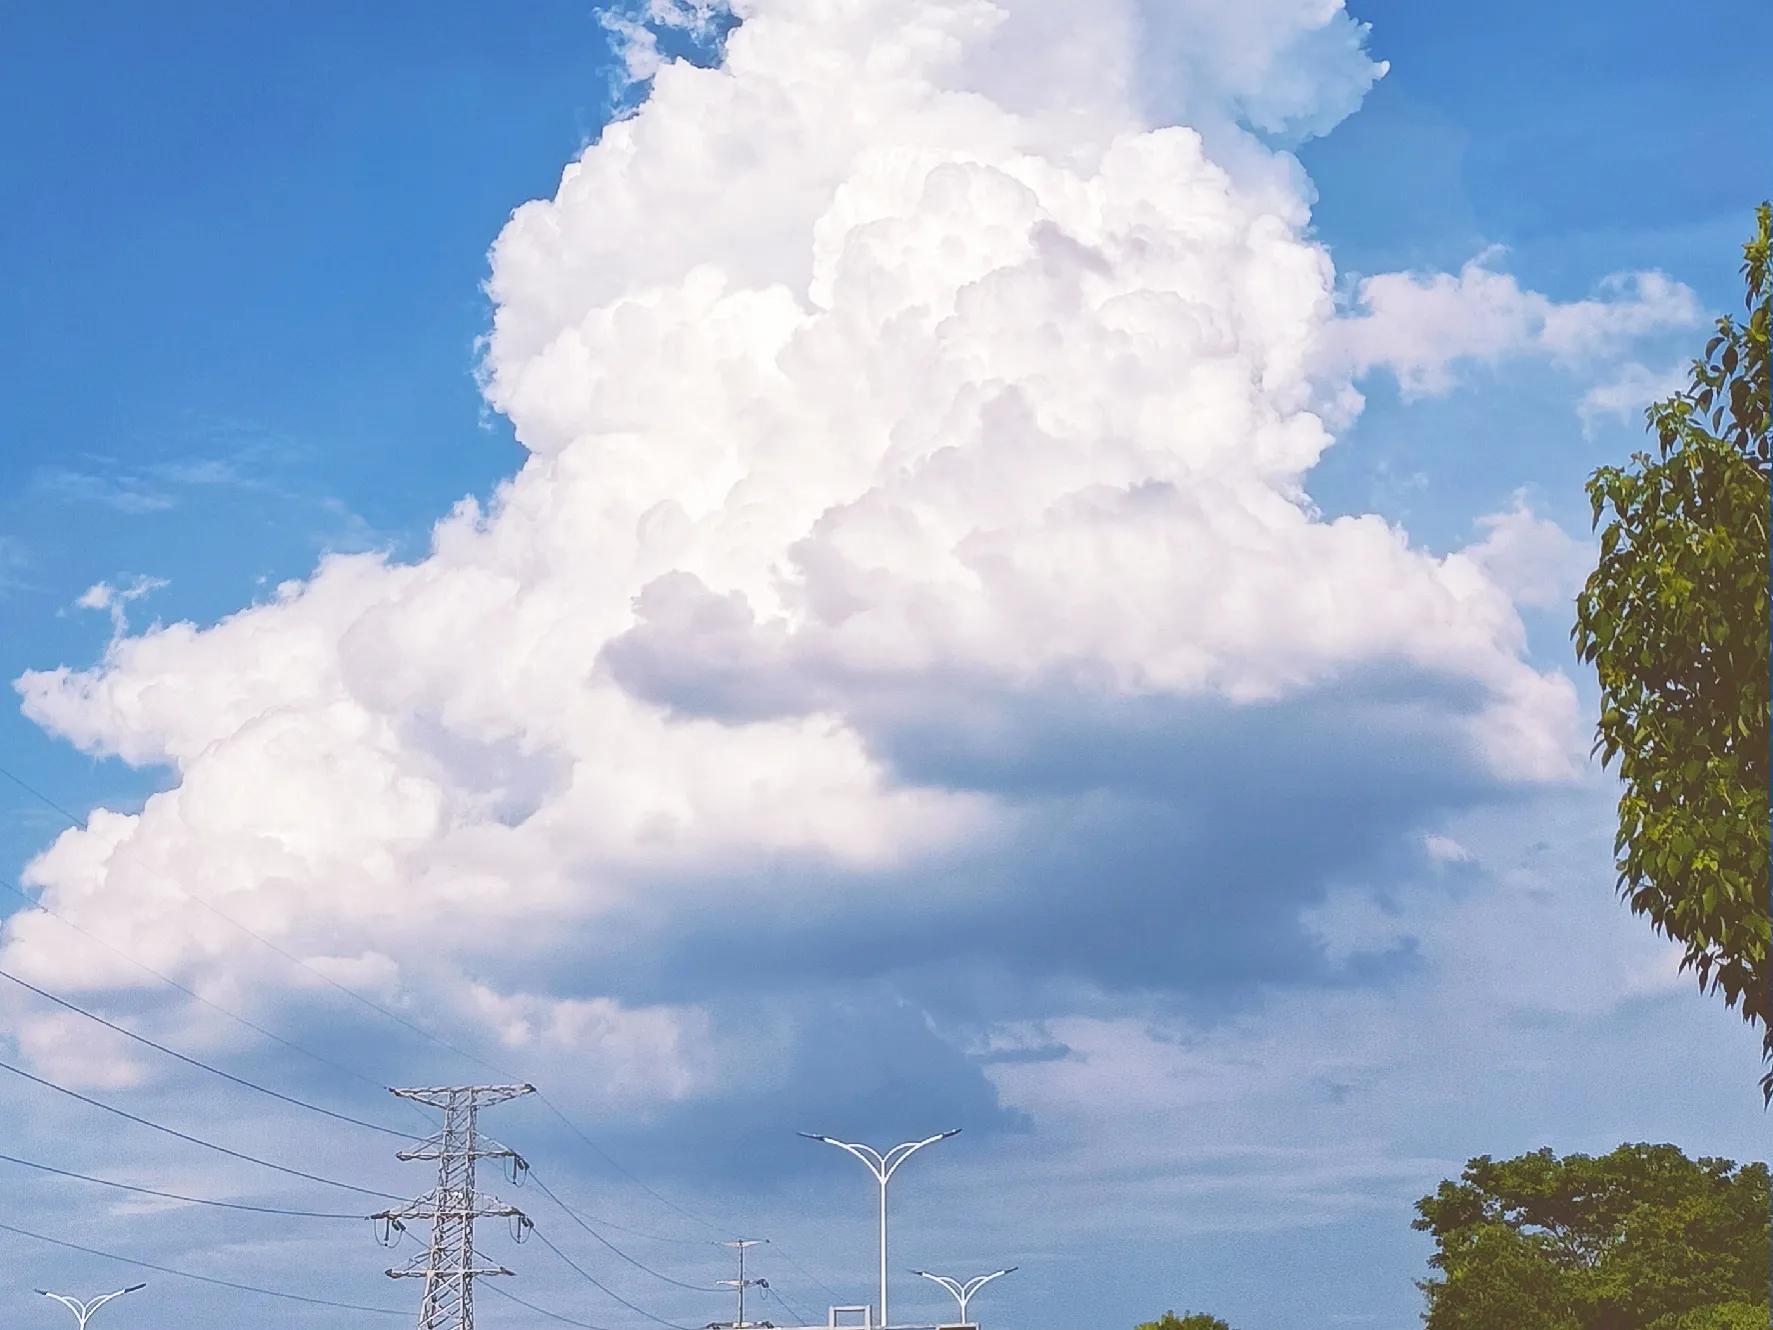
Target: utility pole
450	1265
742	1283
963	1293
883	1166
83	1310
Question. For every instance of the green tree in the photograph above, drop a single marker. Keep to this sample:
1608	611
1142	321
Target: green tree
1643	1238
1674	620
1187	1321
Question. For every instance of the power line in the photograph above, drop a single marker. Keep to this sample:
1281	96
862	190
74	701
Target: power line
542	1311
800	1316
639	1265
611	1161
698	1288
301	1103
195	996
783	1253
43	798
201	1065
441	1042
196	1140
613	1226
599	1284
175	1196
204	1279
420	1030
218	912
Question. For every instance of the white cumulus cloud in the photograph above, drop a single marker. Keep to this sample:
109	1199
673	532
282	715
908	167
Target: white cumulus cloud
860	373
1420	326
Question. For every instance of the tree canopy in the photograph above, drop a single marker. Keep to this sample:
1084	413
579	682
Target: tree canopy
1643	1238
1186	1321
1674	620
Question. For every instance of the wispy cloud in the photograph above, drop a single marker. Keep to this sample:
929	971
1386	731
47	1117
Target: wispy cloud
114	598
1421	326
155	487
1624	396
13	561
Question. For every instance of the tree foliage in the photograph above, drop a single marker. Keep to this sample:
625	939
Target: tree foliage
1674	620
1643	1238
1186	1321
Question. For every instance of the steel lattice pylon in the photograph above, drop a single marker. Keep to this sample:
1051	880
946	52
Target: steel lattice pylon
450	1265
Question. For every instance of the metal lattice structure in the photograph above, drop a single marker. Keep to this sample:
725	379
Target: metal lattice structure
450	1265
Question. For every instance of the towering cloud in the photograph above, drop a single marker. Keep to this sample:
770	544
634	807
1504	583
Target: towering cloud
920	406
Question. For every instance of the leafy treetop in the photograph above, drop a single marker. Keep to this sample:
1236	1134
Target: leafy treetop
1643	1238
1674	620
1186	1321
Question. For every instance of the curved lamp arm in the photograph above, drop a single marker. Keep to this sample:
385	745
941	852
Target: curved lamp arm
869	1156
963	1293
900	1153
83	1310
979	1281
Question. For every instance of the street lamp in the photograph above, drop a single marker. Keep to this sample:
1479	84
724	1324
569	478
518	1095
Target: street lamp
963	1293
883	1166
83	1310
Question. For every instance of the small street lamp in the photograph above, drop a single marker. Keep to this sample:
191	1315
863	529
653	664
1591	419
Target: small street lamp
83	1310
883	1166
963	1293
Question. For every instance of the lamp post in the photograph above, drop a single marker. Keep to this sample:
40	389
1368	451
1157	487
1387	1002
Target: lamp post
883	1166
83	1310
963	1293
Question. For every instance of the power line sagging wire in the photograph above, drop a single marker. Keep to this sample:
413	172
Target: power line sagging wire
543	1311
199	1063
196	1140
779	1250
609	1159
800	1317
573	1215
244	1022
587	1225
204	1279
388	1014
176	1196
42	798
80	822
598	1284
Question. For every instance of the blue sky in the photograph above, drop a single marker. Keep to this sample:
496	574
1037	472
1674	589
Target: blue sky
246	265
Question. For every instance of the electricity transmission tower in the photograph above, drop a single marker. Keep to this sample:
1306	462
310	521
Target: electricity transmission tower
450	1265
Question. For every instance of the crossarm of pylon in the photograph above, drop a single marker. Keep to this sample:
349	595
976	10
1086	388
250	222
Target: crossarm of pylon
441	1096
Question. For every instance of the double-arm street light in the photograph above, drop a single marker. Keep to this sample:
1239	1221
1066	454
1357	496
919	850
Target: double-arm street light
963	1293
83	1310
883	1166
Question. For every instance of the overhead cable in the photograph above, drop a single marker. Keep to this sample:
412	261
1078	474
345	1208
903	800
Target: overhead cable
175	1196
205	1279
637	1264
540	1311
195	996
595	1282
197	1140
200	1064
